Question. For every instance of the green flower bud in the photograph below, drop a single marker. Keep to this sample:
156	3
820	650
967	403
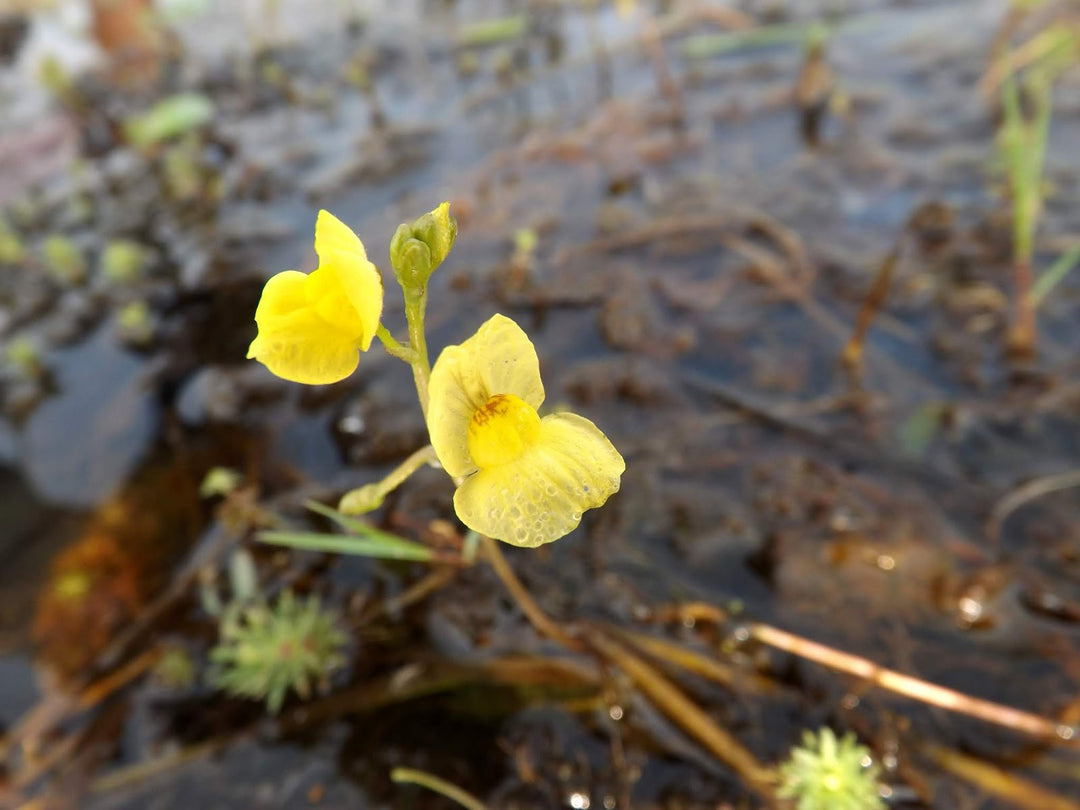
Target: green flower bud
411	259
437	230
417	249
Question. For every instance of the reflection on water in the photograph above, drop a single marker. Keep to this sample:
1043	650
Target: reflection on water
80	445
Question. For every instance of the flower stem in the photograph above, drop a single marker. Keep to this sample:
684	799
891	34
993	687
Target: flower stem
364	499
415	306
440	786
393	347
537	618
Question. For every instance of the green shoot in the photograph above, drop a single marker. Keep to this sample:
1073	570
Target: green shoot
1023	150
1053	275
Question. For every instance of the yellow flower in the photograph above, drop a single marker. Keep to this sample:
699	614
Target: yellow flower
313	326
526	479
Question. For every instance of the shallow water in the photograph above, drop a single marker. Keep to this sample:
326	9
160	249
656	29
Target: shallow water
698	271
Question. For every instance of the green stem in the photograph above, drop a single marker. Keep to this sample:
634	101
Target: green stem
440	786
393	347
370	496
415	306
1053	275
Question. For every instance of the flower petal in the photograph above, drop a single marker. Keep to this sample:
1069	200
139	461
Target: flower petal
348	294
302	347
334	237
282	294
540	498
345	280
498	359
506	360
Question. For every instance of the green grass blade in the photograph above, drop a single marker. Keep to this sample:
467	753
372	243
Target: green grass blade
349	524
703	46
373	543
1053	275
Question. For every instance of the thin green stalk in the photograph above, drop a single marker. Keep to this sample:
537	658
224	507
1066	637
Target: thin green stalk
393	347
369	497
1053	275
440	786
1024	151
415	306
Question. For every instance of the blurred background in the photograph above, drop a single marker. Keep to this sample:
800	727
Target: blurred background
808	264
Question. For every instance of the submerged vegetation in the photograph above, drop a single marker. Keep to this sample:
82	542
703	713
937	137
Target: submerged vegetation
830	773
266	652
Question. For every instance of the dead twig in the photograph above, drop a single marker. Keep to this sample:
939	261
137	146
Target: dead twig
992	779
688	715
852	354
914	688
55	709
697	663
417	592
537	618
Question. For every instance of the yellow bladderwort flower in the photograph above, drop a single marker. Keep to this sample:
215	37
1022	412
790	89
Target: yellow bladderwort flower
526	479
313	326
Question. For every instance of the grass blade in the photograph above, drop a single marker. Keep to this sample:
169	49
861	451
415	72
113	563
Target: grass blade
1053	275
373	543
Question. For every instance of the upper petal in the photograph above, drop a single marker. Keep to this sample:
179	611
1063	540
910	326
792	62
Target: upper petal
346	287
506	360
334	236
540	497
498	359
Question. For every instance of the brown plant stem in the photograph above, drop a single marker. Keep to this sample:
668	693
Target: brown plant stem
1021	342
688	715
697	663
992	779
537	618
852	354
910	687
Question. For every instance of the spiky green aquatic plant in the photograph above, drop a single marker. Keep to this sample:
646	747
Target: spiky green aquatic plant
266	652
826	773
